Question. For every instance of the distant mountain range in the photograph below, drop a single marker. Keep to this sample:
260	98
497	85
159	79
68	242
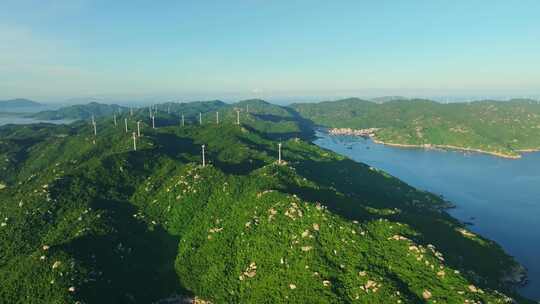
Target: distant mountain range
18	103
399	120
388	98
80	111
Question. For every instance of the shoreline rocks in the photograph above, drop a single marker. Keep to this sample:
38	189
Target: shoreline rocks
517	276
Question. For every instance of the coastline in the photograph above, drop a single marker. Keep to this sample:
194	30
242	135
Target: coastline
514	277
371	133
449	147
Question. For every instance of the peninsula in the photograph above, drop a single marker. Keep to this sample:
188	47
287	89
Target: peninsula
501	128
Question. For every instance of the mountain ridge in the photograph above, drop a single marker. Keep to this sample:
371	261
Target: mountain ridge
146	225
18	103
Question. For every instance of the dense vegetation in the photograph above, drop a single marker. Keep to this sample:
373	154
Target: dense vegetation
504	128
101	223
84	111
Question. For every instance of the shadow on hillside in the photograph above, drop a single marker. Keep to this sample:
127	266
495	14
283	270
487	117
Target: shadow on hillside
176	147
241	168
272	136
306	125
136	263
173	145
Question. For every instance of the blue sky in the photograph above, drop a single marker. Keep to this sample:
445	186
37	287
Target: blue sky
62	49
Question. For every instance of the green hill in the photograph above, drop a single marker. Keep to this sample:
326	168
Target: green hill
84	111
101	223
502	128
18	103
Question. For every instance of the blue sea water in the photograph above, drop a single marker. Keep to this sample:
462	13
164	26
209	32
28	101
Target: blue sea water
501	197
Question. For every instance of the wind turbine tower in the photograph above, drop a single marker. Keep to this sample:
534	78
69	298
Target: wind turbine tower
203	159
279	153
238	117
125	124
134	142
139	128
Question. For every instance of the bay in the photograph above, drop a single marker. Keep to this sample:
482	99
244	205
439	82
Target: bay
499	197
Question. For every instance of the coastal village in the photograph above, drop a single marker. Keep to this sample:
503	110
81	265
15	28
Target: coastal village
369	132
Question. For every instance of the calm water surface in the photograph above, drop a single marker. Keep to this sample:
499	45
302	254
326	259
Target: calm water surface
19	120
501	197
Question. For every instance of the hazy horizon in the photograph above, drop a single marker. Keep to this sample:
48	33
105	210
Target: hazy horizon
278	101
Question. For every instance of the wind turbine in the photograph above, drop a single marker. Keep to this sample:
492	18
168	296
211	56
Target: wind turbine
95	129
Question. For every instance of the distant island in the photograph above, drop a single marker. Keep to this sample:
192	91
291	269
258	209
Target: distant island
501	128
18	103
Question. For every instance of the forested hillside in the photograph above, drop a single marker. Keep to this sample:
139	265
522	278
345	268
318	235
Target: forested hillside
83	111
102	223
503	128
